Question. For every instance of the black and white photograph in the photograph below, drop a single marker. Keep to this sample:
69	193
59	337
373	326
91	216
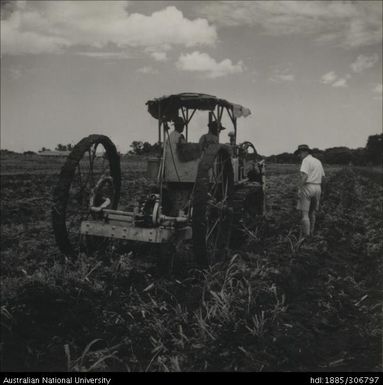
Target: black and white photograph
191	186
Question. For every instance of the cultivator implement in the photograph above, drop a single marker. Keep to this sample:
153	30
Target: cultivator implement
133	226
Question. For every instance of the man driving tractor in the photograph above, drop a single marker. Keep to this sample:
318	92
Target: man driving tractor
211	137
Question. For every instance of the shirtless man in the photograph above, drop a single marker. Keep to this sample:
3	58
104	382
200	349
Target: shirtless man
212	136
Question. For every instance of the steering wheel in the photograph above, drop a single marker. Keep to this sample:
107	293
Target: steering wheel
245	151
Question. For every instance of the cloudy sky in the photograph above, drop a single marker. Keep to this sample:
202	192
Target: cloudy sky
311	72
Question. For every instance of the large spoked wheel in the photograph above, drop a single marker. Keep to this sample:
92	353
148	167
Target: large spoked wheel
212	205
91	175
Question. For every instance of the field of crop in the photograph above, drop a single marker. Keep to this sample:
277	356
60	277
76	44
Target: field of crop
272	306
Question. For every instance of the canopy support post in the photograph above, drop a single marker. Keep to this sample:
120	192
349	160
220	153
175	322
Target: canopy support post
190	118
234	121
211	116
220	112
235	131
187	124
185	115
159	123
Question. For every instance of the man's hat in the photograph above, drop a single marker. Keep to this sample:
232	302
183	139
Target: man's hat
216	124
303	147
178	121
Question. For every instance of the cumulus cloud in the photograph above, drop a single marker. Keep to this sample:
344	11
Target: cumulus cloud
106	55
364	62
147	70
53	26
348	24
159	56
159	52
281	75
203	63
341	82
331	78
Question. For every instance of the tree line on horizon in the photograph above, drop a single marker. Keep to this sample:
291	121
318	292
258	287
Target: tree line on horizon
372	153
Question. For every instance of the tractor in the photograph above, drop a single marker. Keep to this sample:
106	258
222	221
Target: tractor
199	196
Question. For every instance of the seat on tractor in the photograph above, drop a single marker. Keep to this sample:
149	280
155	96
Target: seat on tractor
181	162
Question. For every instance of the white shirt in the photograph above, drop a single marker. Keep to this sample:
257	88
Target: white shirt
171	157
313	168
173	139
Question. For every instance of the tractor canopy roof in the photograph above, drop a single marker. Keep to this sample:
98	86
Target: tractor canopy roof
166	107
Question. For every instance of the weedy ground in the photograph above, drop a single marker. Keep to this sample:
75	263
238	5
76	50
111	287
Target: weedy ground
274	305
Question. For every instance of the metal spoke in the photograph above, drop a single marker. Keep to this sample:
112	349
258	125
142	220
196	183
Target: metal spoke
217	207
83	186
219	180
212	229
91	156
215	183
91	161
103	165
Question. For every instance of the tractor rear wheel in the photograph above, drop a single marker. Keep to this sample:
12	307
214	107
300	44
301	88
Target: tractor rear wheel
212	205
91	173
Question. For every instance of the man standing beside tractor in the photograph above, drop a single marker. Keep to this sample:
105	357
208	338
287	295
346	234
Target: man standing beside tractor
309	188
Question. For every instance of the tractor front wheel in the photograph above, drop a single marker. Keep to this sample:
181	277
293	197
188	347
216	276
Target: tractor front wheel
91	174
